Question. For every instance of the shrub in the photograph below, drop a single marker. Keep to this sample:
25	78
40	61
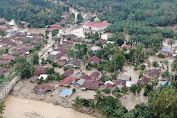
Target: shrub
60	66
116	90
74	90
85	102
68	86
118	95
65	68
107	90
99	44
49	61
143	67
141	74
54	64
155	64
88	67
161	55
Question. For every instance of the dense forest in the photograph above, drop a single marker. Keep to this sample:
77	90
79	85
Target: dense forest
149	12
137	18
38	13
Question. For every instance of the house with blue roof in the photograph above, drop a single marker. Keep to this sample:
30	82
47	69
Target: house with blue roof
66	93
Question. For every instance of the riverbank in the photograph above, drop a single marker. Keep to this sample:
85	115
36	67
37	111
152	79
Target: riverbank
24	90
25	108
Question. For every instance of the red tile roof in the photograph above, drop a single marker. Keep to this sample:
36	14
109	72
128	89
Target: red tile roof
23	22
101	40
123	83
92	85
95	75
55	26
97	24
8	57
40	70
44	88
86	77
93	59
67	81
168	54
69	72
4	61
61	63
144	79
126	46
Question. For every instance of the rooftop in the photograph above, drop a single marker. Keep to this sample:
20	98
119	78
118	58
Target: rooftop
97	24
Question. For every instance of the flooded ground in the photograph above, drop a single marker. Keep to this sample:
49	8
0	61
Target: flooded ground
130	100
30	30
4	20
24	108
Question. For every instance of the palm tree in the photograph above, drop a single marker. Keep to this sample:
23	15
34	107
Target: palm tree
2	108
166	62
124	90
92	105
77	102
171	42
99	96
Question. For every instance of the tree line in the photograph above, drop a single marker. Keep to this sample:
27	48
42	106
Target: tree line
38	13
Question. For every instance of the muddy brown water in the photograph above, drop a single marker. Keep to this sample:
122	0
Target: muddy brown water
19	108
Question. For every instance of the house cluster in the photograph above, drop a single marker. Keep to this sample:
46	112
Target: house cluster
21	43
65	16
4	28
5	59
60	51
82	80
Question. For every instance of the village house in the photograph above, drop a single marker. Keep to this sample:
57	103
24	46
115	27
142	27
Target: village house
59	52
79	74
43	77
102	41
153	72
61	62
68	72
122	77
8	57
66	93
43	88
166	52
95	26
80	82
24	23
67	81
40	70
95	76
86	77
126	46
4	62
93	60
73	63
107	84
91	85
129	83
120	84
95	48
144	79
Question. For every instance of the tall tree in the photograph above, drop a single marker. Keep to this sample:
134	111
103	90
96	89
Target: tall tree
171	42
164	102
35	59
2	108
